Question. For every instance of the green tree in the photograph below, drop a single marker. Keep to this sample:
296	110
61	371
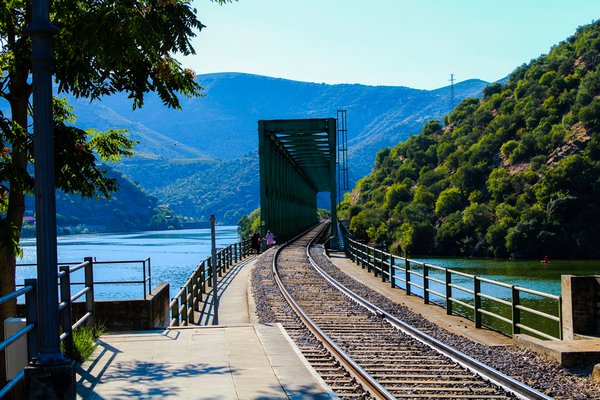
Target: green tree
101	48
249	224
449	201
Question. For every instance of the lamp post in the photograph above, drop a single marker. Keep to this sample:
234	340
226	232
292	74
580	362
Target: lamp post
50	375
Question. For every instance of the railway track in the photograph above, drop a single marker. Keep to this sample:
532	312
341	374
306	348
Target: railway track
361	351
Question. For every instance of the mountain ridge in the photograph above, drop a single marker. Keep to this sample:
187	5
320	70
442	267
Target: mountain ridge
221	127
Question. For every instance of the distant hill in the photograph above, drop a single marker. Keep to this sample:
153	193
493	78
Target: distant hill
223	124
199	160
129	209
516	173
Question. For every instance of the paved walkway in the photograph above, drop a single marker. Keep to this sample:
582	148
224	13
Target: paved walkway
235	299
235	360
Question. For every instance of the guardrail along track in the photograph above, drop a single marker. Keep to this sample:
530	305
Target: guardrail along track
384	361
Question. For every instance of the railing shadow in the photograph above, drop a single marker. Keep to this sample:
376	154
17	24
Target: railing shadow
206	313
108	376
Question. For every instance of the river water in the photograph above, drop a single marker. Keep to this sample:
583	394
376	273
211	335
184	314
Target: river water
531	274
173	254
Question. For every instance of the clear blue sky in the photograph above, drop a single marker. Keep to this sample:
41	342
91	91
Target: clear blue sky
414	43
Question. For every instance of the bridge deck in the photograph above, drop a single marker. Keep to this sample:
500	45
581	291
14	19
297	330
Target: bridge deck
237	360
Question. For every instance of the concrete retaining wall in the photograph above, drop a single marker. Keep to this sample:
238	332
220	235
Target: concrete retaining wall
580	306
128	315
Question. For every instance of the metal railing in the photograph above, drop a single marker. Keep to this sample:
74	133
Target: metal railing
66	301
486	302
65	313
30	329
189	297
146	273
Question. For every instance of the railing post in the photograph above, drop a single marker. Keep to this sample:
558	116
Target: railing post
184	312
190	301
560	319
448	281
203	277
144	279
213	256
392	272
220	263
89	283
197	297
425	283
407	274
31	317
210	271
476	301
383	270
149	277
235	252
65	312
516	313
361	255
375	266
175	312
368	258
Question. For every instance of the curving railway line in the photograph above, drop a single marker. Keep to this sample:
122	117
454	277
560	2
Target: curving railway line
363	352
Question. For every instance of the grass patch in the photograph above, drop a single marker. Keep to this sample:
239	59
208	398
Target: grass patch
84	342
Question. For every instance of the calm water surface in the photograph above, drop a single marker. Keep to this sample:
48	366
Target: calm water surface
173	255
531	274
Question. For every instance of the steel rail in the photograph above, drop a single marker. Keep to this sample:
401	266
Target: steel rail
488	373
369	383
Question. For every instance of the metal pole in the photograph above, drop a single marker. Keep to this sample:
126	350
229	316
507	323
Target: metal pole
50	375
41	31
214	270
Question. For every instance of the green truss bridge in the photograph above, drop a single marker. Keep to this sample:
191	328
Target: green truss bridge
298	160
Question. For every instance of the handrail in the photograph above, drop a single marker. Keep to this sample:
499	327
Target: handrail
145	265
373	260
187	300
67	299
29	330
64	306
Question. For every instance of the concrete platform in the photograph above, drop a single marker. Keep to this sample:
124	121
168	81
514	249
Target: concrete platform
238	360
568	353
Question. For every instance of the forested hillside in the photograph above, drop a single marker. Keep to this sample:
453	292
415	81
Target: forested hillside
201	160
516	173
129	209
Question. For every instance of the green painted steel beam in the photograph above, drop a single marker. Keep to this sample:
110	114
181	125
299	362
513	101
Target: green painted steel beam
297	158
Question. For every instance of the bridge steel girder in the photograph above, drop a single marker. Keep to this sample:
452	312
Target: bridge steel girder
297	160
